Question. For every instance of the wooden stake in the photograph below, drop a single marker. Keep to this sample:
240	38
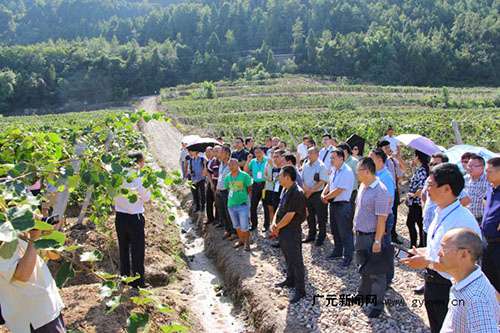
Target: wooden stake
456	130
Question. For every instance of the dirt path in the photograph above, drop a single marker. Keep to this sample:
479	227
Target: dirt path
163	139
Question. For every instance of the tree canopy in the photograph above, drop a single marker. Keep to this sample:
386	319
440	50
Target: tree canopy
100	50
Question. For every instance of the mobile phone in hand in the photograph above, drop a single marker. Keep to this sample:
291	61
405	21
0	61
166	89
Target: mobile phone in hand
402	252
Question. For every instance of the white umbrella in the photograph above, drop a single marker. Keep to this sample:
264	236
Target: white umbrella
190	139
455	153
419	142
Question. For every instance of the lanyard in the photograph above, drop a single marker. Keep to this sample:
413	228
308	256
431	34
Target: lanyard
442	220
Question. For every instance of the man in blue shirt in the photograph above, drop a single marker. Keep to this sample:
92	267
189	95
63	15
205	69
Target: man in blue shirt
491	224
338	193
379	157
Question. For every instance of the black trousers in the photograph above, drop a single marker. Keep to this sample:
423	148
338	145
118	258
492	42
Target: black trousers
415	217
221	204
291	244
436	297
2	321
131	240
395	206
55	326
256	197
210	196
317	214
491	263
198	191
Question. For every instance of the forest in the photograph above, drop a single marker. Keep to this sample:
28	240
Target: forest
54	51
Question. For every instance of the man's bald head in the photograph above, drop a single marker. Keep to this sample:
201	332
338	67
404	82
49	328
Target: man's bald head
465	239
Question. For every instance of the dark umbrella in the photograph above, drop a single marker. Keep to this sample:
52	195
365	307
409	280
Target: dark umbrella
201	144
356	140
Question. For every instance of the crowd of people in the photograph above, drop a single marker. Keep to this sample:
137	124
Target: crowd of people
453	217
455	209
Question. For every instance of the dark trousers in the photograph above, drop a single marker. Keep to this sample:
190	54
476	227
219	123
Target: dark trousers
386	240
55	326
210	196
198	191
395	206
221	204
341	227
256	197
371	284
436	297
491	264
130	231
291	245
415	217
2	321
317	214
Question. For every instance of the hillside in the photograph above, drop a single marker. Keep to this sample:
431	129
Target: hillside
293	106
53	51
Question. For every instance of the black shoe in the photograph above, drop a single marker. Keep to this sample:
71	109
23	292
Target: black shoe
297	297
284	284
334	255
318	242
276	245
308	240
375	313
419	290
252	228
218	225
346	262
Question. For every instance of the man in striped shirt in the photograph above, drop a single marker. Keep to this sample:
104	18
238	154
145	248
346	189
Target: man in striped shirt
473	306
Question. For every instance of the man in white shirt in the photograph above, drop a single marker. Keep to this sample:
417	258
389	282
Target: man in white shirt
389	136
324	153
444	186
28	294
129	225
473	306
302	148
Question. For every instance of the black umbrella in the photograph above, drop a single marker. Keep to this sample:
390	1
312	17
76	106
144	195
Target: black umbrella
356	140
201	144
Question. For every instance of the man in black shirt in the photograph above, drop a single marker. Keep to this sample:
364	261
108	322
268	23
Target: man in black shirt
240	153
287	224
250	145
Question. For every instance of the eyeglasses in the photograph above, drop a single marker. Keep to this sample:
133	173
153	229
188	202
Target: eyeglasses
475	165
432	164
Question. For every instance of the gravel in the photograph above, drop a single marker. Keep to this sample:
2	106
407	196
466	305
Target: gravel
404	311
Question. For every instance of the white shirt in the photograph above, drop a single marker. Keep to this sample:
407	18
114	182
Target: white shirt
123	205
473	306
452	217
36	301
302	150
394	143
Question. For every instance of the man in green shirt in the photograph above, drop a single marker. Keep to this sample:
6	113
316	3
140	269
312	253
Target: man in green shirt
255	167
239	184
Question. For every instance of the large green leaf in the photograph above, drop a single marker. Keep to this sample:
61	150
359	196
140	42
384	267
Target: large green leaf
64	273
53	240
7	250
21	217
136	321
